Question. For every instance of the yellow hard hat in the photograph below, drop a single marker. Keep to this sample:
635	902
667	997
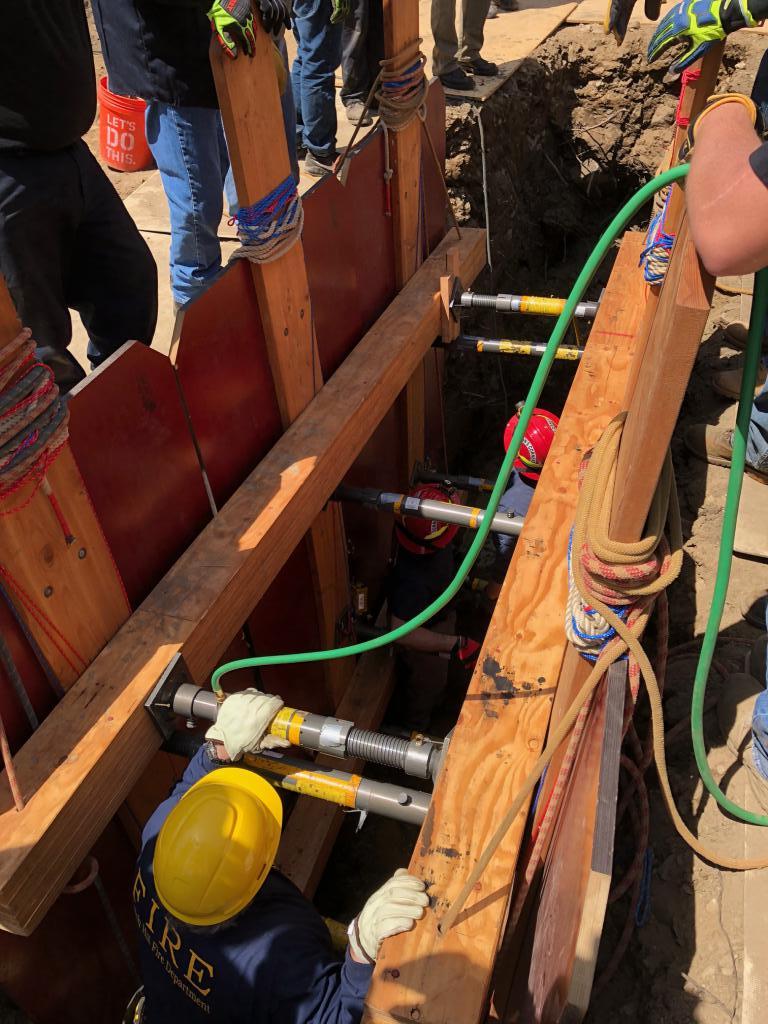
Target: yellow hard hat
216	846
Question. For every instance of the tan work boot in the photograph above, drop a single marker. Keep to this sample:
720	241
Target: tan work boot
728	382
712	443
715	445
736	334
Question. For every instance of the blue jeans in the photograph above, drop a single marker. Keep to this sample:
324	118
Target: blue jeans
314	67
760	727
191	154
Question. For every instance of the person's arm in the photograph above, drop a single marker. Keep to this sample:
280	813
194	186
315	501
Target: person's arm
429	641
312	986
727	202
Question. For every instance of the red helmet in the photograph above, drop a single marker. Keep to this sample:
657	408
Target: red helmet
424	536
537	441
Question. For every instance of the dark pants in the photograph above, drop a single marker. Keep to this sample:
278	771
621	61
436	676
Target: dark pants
318	53
362	49
67	242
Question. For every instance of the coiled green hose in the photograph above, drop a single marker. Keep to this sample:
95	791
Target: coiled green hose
735	477
757	321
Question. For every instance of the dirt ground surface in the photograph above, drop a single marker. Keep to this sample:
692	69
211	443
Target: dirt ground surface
576	129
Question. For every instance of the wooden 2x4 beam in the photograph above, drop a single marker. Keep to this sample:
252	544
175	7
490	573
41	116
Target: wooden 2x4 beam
422	975
83	760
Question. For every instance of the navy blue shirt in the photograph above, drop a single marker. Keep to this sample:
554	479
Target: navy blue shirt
273	965
416	580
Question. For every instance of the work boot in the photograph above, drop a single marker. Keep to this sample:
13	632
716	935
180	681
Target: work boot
318	166
742	727
754	611
714	445
357	114
728	382
502	7
457	79
481	67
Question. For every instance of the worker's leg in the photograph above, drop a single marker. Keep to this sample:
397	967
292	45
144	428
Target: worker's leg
40	204
289	113
186	143
354	64
473	15
760	720
318	56
112	278
445	53
757	438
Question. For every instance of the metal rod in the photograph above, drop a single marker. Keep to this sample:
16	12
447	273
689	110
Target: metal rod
536	305
418	756
508	347
426	508
457	480
341	788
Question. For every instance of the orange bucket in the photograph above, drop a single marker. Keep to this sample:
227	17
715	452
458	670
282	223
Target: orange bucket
122	137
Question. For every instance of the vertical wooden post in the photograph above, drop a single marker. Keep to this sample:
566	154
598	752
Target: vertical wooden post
691	104
401	28
68	591
250	106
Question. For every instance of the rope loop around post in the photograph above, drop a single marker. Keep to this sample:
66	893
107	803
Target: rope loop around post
402	87
269	228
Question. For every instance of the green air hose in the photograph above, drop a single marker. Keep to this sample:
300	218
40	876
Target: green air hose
735	476
757	321
619	222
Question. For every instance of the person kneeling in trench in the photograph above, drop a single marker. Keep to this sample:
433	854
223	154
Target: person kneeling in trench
223	936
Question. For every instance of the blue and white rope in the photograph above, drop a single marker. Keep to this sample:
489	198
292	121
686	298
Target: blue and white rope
271	226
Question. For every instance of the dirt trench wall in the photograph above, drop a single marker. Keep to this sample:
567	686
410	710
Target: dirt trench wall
579	126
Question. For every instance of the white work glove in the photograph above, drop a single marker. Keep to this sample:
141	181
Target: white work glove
243	723
392	909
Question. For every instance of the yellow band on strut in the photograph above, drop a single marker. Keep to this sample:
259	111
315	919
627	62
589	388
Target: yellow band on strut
286	725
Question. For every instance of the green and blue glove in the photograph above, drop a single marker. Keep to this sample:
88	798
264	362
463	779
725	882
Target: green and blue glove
232	24
341	10
697	24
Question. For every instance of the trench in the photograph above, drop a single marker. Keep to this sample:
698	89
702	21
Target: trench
569	137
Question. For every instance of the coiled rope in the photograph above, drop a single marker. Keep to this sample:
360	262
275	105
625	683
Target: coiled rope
269	228
591	535
400	92
654	259
34	421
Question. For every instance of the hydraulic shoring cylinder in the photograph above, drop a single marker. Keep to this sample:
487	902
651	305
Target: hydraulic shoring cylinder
418	757
426	508
342	788
536	305
508	347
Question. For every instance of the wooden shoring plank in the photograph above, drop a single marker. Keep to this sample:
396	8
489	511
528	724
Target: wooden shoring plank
79	765
250	108
692	103
313	825
500	733
401	29
669	354
575	891
73	582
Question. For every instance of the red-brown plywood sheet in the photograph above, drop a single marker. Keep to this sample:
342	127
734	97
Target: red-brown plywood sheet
72	969
349	252
224	374
434	191
131	441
